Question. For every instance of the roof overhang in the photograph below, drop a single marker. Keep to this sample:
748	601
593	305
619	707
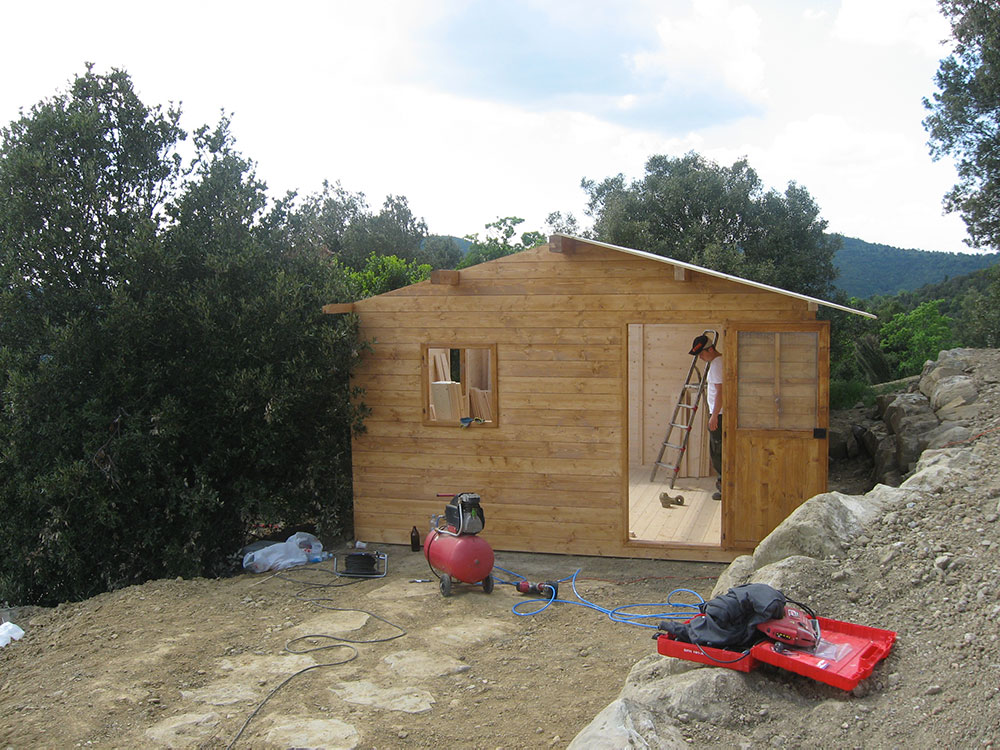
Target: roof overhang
709	272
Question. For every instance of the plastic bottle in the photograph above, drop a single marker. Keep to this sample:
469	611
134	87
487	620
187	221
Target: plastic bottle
315	557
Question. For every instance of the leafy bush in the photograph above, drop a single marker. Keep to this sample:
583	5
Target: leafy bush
497	243
168	377
910	339
383	273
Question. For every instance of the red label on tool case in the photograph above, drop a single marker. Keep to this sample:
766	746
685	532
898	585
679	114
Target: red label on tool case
717	657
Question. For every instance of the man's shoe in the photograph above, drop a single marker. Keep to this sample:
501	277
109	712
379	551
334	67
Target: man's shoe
716	495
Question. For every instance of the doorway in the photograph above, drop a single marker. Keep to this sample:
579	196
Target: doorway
658	366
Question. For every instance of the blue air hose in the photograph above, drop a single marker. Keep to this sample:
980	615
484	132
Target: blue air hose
680	611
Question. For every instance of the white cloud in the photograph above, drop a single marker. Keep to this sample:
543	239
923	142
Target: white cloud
335	91
915	23
717	40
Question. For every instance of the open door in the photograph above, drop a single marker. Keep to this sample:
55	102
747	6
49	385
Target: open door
658	365
776	418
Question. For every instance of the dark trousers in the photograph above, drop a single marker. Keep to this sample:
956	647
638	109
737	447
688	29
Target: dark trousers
715	446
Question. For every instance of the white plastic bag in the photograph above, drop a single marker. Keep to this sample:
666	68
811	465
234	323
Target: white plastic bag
8	632
299	549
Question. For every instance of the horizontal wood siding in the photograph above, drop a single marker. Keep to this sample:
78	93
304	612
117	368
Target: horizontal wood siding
553	473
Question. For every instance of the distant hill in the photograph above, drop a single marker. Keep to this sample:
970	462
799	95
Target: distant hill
867	268
460	242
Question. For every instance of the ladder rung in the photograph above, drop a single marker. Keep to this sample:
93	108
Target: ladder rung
667	466
680	425
675	447
687	406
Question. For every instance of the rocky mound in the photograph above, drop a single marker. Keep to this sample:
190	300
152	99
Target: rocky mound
920	559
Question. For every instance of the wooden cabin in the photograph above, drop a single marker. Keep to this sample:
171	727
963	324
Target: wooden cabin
545	382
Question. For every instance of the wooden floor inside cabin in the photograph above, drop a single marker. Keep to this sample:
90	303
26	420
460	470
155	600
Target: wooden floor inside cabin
698	521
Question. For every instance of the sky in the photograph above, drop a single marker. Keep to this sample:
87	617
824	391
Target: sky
480	109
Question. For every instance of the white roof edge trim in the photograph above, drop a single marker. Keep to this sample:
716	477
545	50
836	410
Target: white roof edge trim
719	274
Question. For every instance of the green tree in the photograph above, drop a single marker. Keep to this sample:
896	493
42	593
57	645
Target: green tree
440	252
383	273
872	360
497	242
982	310
318	223
394	230
168	377
910	339
557	223
694	210
965	116
336	223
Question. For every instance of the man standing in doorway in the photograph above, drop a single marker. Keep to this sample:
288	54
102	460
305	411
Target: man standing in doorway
707	353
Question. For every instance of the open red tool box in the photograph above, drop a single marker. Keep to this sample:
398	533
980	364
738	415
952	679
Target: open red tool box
847	653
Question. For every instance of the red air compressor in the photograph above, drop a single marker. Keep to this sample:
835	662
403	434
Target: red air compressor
453	547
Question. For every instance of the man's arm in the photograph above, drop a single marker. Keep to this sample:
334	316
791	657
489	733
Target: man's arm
713	419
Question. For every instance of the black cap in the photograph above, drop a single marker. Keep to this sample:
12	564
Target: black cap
698	344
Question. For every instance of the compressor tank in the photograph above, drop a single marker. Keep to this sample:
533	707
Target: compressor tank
466	558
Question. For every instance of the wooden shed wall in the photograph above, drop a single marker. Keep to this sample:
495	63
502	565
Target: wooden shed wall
553	473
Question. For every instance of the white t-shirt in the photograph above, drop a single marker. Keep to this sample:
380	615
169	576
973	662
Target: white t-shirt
714	381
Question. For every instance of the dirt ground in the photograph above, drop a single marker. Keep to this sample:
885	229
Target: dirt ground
184	663
212	663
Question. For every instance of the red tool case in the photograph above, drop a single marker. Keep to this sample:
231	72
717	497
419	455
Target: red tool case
848	653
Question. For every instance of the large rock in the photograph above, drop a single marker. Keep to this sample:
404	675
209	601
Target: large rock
738	573
784	574
949	388
950	363
947	433
939	469
953	391
887	469
823	526
907	408
659	694
639	717
882	402
958	412
910	418
624	725
871	435
912	437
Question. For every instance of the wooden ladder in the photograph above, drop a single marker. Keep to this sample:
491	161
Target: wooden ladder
682	420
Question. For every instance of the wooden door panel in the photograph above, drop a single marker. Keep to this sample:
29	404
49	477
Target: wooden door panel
775	424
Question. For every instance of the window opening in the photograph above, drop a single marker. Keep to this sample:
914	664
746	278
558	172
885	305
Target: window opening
460	385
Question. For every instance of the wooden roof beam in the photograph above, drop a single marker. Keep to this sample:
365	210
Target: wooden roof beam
561	244
338	307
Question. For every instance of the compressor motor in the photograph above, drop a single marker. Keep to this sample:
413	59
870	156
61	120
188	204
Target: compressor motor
463	515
